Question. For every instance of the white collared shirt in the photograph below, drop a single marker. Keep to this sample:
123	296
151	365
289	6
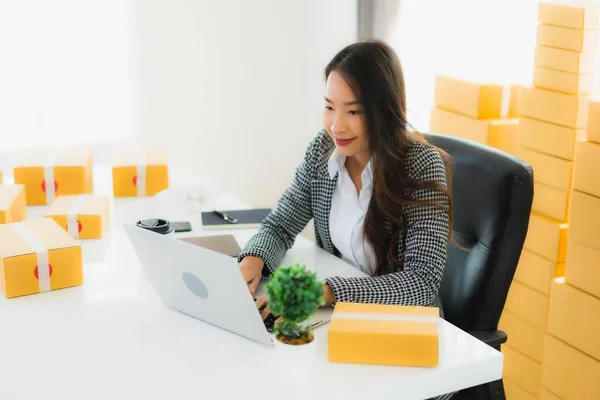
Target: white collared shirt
347	215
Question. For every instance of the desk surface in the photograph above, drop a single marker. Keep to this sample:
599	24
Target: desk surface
113	339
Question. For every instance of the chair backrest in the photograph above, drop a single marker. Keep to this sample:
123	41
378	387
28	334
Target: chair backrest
492	198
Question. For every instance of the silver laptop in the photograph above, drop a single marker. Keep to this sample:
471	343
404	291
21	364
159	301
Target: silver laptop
204	284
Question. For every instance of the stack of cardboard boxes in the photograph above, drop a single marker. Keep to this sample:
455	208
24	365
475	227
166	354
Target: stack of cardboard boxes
571	368
482	111
553	119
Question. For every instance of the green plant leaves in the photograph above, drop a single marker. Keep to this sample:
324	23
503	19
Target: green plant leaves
294	293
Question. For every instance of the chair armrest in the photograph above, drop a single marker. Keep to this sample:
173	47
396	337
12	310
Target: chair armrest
492	338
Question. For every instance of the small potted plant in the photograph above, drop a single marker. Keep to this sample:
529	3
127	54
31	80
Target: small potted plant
294	294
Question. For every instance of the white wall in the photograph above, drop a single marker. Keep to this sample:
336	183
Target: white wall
238	83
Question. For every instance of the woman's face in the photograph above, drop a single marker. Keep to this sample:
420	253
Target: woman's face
343	118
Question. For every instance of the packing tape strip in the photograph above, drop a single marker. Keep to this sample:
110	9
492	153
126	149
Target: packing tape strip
385	317
141	173
72	225
43	263
49	177
505	106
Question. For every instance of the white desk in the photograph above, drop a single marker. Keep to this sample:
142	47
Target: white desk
112	339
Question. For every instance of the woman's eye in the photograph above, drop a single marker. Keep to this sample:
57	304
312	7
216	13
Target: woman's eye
354	112
328	108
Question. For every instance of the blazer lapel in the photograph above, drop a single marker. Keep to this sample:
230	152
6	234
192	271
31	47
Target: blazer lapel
322	193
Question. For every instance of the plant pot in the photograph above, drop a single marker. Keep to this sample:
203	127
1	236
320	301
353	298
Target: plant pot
296	359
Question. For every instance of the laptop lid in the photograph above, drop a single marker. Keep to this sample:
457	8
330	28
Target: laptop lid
199	282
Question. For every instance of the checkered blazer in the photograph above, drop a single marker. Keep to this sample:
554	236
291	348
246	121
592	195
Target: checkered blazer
309	197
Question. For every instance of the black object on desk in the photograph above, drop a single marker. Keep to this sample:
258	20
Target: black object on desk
236	219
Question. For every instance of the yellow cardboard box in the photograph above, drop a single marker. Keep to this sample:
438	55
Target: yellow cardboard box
545	394
515	392
548	170
141	172
527	304
37	256
69	169
569	373
566	82
585	219
593	122
584	268
568	38
551	202
547	237
522	370
476	98
500	133
548	138
537	272
576	14
83	216
587	167
523	336
13	207
565	60
558	108
575	318
384	335
1	177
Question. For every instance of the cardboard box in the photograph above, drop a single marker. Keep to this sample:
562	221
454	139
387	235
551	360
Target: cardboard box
537	272
548	170
500	134
523	336
565	82
396	340
553	203
585	219
1	177
566	60
527	304
476	98
576	14
69	169
13	207
587	168
521	370
38	256
584	268
575	318
558	108
515	392
593	122
140	172
551	139
545	394
82	216
568	38
547	237
569	373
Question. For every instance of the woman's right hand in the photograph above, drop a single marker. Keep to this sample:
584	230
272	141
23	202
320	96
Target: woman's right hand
252	271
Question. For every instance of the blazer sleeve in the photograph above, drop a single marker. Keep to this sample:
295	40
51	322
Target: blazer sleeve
279	230
425	248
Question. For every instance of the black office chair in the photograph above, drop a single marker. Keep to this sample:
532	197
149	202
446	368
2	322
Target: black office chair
492	197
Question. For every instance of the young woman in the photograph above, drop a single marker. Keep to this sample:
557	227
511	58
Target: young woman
378	194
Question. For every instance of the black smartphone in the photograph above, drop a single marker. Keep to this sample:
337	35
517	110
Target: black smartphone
181	226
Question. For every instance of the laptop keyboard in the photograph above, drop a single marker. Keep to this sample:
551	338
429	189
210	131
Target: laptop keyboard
270	320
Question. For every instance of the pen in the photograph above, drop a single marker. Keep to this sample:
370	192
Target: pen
226	217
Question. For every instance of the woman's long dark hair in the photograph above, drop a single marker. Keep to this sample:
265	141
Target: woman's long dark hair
374	73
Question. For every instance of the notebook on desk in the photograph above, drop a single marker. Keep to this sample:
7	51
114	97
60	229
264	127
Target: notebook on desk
234	219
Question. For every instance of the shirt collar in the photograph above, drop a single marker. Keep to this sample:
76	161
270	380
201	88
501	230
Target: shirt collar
336	163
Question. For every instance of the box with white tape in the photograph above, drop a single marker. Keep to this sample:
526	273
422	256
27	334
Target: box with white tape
477	98
38	256
13	207
140	172
84	216
48	172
